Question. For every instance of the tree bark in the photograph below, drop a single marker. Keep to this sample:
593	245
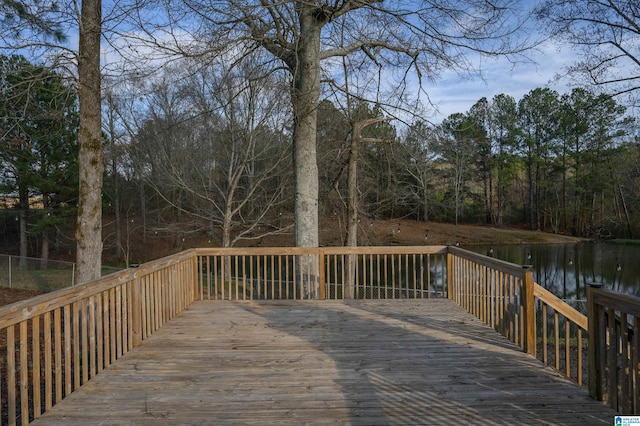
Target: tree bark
114	177
352	187
24	208
305	95
352	190
89	221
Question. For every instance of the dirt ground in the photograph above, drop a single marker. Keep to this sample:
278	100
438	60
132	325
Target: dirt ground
9	295
409	232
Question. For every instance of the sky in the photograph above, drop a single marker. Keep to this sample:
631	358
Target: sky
453	93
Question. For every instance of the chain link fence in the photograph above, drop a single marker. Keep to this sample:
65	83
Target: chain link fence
29	273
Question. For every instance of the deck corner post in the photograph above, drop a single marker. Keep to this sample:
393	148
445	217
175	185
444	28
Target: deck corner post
528	308
595	352
450	294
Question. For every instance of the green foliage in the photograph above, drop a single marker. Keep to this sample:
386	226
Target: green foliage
32	17
39	125
558	163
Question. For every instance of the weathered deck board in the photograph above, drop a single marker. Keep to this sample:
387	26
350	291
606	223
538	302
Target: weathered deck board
360	362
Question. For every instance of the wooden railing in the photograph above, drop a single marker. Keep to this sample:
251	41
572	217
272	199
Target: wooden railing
562	335
505	297
497	292
57	342
324	273
54	343
614	341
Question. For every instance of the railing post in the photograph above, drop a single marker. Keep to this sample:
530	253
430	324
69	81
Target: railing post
350	289
136	312
528	309
450	294
195	275
321	274
596	348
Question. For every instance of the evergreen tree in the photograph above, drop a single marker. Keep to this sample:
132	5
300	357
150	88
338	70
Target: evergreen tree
39	151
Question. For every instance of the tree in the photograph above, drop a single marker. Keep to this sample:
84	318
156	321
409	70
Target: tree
503	127
480	112
605	33
38	27
460	135
213	148
591	125
420	38
20	17
626	176
418	163
538	113
89	219
38	150
358	128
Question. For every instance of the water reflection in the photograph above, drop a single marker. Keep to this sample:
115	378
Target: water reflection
566	269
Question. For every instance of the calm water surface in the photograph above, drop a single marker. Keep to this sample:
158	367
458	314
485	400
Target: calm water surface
566	269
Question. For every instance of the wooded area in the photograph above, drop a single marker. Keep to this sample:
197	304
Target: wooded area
214	153
203	131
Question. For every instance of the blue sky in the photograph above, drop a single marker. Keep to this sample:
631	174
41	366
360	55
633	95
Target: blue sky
453	93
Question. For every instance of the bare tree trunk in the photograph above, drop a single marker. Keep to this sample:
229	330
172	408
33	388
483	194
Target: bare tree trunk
89	222
305	94
24	206
44	251
352	195
44	248
352	190
114	176
352	186
226	225
626	212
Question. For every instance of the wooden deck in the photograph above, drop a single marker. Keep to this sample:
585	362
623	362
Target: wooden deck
357	362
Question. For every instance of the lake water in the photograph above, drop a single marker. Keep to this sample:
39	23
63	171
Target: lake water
566	269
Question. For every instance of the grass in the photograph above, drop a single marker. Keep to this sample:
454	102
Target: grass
40	280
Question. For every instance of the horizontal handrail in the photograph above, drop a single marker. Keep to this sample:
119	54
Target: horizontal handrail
30	308
561	306
488	262
561	327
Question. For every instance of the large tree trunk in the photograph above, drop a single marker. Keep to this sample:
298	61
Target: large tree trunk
305	94
89	222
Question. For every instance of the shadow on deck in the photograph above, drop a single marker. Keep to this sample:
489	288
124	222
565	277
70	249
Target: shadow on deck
307	362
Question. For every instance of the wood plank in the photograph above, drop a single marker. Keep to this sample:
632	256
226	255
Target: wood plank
48	375
355	362
24	371
37	368
57	352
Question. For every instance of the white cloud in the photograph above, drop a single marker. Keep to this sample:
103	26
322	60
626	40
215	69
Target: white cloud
453	93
